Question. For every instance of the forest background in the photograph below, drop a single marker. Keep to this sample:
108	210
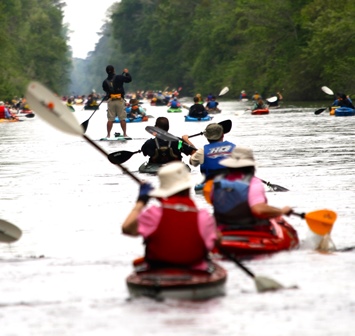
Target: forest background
198	45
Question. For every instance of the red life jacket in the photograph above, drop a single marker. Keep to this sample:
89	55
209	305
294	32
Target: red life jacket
177	240
2	112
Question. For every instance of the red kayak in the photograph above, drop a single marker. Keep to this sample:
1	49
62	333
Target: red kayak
281	237
176	283
260	111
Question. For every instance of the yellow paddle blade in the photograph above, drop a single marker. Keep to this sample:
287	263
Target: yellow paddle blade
321	221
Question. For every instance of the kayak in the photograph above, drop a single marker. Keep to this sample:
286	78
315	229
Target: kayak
174	109
281	237
71	108
152	168
130	120
176	283
344	112
260	111
207	118
91	107
9	120
214	111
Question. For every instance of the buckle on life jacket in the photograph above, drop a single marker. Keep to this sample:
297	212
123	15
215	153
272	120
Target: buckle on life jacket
115	96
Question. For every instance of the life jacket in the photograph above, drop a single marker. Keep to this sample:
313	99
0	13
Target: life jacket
163	154
114	92
175	104
231	207
2	112
212	104
177	240
213	153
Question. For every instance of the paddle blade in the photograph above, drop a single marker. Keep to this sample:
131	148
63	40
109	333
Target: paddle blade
272	99
227	125
328	91
321	221
9	233
121	156
50	108
264	284
161	134
29	115
319	111
274	187
224	91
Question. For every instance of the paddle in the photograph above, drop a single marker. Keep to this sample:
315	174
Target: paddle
319	221
158	132
85	124
123	156
328	91
274	187
51	109
222	93
9	233
272	99
262	284
319	111
170	137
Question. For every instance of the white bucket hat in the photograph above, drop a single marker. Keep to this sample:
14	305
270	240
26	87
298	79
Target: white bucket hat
240	157
174	177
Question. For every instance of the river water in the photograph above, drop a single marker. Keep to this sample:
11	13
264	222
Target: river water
66	275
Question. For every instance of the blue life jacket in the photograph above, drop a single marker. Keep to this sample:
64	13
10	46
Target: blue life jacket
212	104
213	153
231	206
174	104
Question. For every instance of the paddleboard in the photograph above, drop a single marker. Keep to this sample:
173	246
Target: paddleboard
120	138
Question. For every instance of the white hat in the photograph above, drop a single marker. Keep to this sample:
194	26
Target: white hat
174	177
2	103
240	157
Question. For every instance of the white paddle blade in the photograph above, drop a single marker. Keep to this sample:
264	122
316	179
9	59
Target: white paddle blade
272	99
326	90
50	108
224	91
9	233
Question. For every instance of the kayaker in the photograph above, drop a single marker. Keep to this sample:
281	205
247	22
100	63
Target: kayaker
243	95
212	104
113	86
134	110
176	232
4	112
238	197
209	156
277	102
259	104
343	101
256	95
174	103
161	151
197	110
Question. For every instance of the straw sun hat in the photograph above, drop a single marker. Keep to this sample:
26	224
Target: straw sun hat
174	177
